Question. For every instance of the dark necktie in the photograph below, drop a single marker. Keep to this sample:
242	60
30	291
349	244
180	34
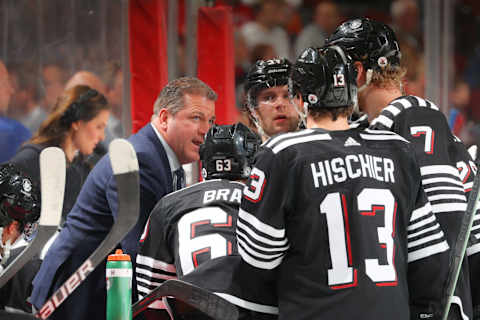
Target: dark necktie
178	179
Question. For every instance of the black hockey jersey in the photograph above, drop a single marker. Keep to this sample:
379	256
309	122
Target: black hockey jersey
341	216
191	235
447	173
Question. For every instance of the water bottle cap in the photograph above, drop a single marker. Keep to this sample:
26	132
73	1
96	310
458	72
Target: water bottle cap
119	256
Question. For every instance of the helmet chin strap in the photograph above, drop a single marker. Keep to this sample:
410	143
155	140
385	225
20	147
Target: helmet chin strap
256	121
302	113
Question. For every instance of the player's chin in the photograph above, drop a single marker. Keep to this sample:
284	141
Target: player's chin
285	127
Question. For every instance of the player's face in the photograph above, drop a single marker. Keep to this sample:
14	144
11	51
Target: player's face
186	129
275	111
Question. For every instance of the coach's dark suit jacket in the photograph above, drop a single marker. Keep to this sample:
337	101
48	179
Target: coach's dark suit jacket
89	222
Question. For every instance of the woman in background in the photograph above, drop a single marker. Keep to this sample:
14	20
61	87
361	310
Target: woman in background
76	125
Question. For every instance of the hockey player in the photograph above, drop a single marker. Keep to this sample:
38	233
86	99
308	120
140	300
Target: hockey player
191	233
340	213
446	167
19	212
267	98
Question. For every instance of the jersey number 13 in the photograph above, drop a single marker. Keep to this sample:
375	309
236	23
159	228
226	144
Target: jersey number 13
342	274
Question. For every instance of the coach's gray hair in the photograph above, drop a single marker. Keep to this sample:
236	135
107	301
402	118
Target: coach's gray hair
171	96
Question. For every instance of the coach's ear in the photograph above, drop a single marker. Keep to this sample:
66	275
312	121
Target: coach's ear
361	78
161	120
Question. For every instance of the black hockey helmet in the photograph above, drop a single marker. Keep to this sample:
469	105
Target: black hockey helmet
325	78
266	74
19	199
228	152
371	42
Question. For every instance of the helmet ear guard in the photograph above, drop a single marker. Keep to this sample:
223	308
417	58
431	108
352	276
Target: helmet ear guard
228	152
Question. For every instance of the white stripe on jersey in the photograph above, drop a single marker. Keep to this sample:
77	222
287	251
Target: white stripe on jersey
442	179
427	251
256	254
156	264
383	120
421	223
449	207
247	304
421	102
424	103
421	212
262	227
404	102
476	227
153	275
428	190
249	233
473	249
255	236
439	169
416	234
447	196
385	132
424	240
257	263
381	137
290	142
468	185
392	109
276	139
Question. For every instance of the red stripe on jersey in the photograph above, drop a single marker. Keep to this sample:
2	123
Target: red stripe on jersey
195	253
373	212
228	224
347	230
353	284
194	225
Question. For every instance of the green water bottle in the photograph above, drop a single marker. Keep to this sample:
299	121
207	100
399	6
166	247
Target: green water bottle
119	286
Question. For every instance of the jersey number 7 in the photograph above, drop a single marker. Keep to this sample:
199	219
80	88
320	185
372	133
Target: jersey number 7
417	131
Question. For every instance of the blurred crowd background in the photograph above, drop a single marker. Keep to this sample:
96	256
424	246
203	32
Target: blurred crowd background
48	46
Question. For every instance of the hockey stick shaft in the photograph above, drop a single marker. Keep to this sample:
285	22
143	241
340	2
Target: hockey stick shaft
125	168
201	299
52	180
461	244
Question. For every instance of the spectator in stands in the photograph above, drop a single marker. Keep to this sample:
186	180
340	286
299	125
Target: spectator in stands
12	132
26	102
262	51
459	101
266	28
325	21
415	78
406	24
53	77
114	94
76	124
90	79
